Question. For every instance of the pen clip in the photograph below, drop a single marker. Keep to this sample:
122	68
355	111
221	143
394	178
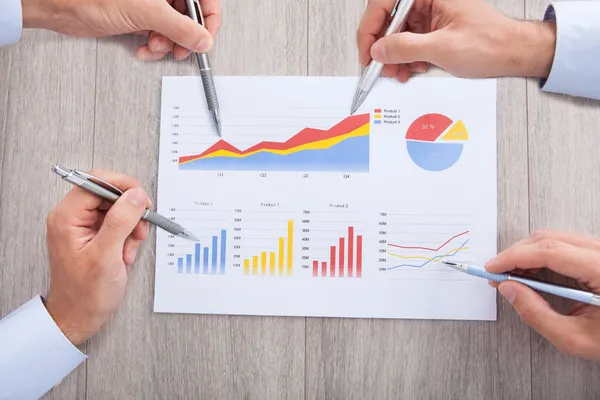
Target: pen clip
99	181
199	12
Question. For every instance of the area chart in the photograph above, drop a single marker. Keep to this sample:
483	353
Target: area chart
342	148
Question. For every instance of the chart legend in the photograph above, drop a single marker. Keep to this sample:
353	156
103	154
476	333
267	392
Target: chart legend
435	142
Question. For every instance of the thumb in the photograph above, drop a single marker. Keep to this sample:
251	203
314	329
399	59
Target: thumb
180	28
537	313
121	219
406	47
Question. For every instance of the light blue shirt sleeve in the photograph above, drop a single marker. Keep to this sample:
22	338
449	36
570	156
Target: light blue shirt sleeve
11	21
576	65
34	354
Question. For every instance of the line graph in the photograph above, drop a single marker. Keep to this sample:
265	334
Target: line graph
450	253
415	241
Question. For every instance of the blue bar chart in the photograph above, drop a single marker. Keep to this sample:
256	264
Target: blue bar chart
206	259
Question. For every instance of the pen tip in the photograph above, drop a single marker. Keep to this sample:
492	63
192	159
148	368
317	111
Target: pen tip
190	236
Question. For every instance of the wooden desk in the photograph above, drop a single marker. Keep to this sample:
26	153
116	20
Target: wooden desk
87	102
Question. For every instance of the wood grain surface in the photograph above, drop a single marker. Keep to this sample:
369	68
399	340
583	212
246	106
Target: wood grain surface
49	119
89	103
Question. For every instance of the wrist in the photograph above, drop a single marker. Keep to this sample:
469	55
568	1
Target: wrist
74	331
40	14
533	51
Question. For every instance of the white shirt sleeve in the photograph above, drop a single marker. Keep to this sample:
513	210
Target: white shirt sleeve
34	354
576	65
11	21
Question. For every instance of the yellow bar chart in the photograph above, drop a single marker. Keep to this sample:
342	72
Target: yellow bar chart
274	263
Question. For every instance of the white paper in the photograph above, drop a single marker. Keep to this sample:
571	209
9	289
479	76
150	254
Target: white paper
414	186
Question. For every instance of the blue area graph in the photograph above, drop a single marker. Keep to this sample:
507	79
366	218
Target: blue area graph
434	156
350	155
212	259
432	260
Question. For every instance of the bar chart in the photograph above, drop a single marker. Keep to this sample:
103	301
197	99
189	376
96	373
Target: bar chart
345	258
278	262
209	259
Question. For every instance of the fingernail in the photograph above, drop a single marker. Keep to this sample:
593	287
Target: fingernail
161	47
136	197
490	261
204	45
508	292
420	68
378	52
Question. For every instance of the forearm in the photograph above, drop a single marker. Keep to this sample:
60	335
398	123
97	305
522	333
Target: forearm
41	14
532	51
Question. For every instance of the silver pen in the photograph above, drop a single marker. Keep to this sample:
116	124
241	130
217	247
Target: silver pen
111	193
561	291
370	75
210	92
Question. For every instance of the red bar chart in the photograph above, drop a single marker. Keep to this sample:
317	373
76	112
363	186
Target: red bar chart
345	258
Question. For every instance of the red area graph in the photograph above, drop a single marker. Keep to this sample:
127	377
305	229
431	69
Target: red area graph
428	128
429	248
345	259
305	136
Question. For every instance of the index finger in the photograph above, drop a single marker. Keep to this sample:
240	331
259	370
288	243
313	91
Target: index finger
211	10
78	202
563	258
371	25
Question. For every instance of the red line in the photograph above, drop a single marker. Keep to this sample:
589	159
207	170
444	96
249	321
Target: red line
427	248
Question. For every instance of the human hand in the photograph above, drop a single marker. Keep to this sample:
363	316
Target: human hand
571	255
89	249
164	21
468	38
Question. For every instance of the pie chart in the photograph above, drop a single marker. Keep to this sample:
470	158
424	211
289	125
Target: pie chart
435	142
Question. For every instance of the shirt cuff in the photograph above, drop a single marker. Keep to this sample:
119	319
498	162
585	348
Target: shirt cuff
34	353
576	66
11	21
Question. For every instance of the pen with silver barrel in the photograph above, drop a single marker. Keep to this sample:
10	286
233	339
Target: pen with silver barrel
370	75
109	192
210	92
561	291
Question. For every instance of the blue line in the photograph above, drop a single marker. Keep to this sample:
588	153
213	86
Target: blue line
433	259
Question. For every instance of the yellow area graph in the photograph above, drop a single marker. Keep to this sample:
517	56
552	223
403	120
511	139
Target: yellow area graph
265	263
457	132
435	258
318	145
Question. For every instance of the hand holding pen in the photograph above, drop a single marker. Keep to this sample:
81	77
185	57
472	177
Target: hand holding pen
567	254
